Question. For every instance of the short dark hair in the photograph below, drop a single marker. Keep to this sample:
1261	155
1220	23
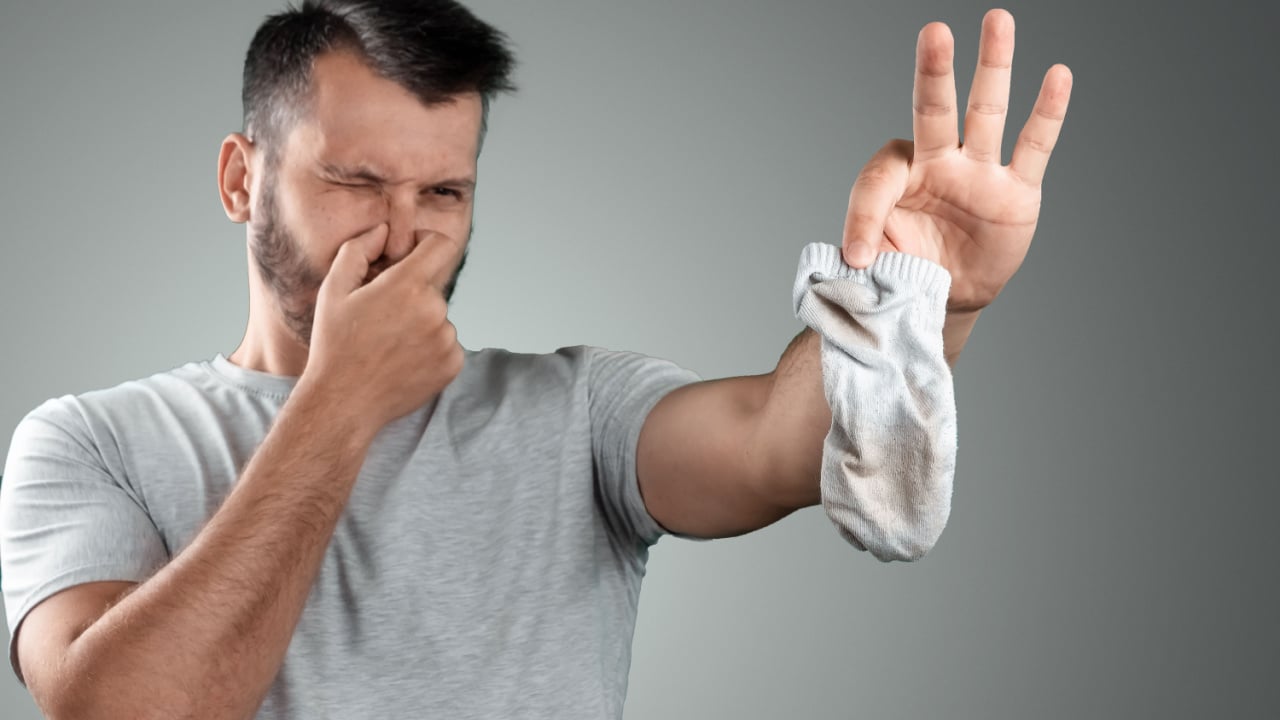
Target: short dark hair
433	48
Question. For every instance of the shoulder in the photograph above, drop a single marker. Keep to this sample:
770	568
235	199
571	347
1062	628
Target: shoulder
87	422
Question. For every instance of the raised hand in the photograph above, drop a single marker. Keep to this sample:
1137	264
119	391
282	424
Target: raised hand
953	203
386	346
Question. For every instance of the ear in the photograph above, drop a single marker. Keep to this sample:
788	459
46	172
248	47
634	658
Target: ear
235	176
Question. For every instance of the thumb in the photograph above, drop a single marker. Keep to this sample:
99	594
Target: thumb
875	193
351	264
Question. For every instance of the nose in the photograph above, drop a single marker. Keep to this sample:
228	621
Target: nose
402	218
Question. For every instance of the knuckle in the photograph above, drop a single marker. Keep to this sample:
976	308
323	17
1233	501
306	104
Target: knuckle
937	64
1048	114
1022	178
933	149
862	219
410	294
980	108
933	109
434	309
876	174
1031	142
982	154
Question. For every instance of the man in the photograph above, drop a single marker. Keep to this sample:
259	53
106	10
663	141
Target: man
354	516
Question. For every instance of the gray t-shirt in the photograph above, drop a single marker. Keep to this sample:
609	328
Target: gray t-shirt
488	563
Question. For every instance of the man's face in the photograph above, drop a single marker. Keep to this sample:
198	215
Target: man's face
369	152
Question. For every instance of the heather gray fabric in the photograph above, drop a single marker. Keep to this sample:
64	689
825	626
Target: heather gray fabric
488	563
889	459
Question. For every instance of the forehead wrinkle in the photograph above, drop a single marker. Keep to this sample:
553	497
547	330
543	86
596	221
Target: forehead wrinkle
369	174
334	160
358	171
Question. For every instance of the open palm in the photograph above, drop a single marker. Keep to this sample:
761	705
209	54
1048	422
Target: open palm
955	204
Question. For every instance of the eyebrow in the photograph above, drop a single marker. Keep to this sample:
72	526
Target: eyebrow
361	172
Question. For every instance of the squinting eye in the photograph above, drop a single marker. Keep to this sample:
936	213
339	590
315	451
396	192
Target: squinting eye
449	193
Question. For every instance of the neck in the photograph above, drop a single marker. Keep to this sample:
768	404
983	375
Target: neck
288	359
268	345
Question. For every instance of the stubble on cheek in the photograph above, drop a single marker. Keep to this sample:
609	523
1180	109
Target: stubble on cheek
283	267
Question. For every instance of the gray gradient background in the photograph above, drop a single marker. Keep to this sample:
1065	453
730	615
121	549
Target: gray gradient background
1109	552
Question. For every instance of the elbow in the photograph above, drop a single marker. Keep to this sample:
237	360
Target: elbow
86	693
58	688
72	698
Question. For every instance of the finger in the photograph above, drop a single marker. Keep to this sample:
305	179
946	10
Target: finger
351	264
877	190
454	251
934	122
989	96
1040	134
429	260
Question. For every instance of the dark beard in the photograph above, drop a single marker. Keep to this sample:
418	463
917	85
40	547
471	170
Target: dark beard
283	266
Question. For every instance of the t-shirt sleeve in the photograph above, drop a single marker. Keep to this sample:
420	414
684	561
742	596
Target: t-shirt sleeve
623	386
64	519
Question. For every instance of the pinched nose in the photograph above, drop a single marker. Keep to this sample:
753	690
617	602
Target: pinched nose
375	270
402	221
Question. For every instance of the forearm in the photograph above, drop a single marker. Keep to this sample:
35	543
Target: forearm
205	636
798	417
796	420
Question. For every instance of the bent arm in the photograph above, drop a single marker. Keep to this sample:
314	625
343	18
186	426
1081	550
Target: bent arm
205	636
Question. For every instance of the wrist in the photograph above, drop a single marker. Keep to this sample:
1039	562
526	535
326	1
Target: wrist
333	415
955	332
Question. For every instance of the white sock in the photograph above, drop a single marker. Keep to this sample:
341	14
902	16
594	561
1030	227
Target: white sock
888	460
